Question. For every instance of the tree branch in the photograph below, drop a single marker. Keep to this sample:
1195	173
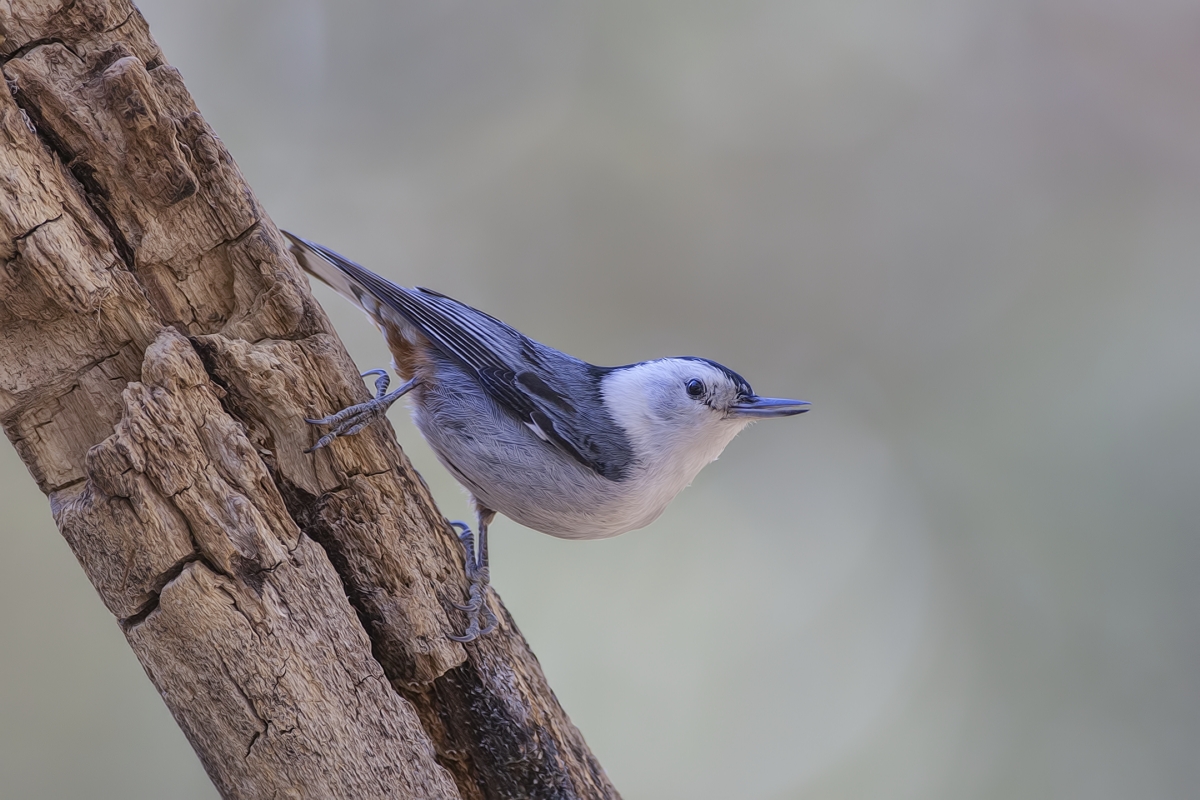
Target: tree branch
160	352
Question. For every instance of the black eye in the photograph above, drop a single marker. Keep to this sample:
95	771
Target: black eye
695	388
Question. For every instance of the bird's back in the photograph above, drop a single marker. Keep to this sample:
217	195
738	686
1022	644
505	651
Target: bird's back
539	400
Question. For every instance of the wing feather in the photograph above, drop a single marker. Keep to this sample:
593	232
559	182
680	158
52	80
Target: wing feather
538	385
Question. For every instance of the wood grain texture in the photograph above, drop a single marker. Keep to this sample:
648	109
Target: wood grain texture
159	351
250	639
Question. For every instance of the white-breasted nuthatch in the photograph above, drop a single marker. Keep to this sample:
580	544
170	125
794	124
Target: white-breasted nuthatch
557	444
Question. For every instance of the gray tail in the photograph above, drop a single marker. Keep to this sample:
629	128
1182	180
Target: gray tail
340	274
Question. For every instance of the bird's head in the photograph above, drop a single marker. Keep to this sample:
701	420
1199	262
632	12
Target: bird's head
686	408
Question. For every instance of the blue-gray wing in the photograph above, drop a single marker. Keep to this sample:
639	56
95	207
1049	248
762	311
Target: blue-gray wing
555	395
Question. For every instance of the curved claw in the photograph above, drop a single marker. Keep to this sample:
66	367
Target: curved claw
474	598
471	634
493	624
381	383
322	442
476	607
473	630
467	539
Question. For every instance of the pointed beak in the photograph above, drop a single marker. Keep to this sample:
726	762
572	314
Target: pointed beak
766	407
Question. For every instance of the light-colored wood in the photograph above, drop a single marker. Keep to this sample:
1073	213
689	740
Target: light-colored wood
159	351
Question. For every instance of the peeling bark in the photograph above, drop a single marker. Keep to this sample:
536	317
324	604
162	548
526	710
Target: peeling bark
159	352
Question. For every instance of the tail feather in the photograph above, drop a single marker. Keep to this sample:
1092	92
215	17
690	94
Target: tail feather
310	256
361	286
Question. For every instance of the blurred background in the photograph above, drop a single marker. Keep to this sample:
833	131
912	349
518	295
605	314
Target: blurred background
967	232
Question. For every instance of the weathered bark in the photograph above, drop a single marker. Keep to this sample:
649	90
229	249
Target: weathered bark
158	354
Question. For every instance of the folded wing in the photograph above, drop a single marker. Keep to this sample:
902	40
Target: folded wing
542	387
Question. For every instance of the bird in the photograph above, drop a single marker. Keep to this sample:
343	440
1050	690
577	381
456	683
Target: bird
562	446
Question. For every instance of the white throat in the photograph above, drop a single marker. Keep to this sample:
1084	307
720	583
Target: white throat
670	449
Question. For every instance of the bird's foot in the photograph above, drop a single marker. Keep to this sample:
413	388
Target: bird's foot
476	606
353	419
478	613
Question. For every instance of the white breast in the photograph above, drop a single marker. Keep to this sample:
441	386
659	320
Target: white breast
674	438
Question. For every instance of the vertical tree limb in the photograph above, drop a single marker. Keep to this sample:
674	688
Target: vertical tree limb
158	354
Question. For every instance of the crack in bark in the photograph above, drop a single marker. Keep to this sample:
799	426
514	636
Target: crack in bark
253	740
69	484
241	237
94	194
30	46
122	23
20	237
166	576
160	583
303	508
266	723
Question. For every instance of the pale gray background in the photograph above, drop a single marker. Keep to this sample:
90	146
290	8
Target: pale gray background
968	232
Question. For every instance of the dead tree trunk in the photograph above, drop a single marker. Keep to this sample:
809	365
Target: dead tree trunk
158	354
